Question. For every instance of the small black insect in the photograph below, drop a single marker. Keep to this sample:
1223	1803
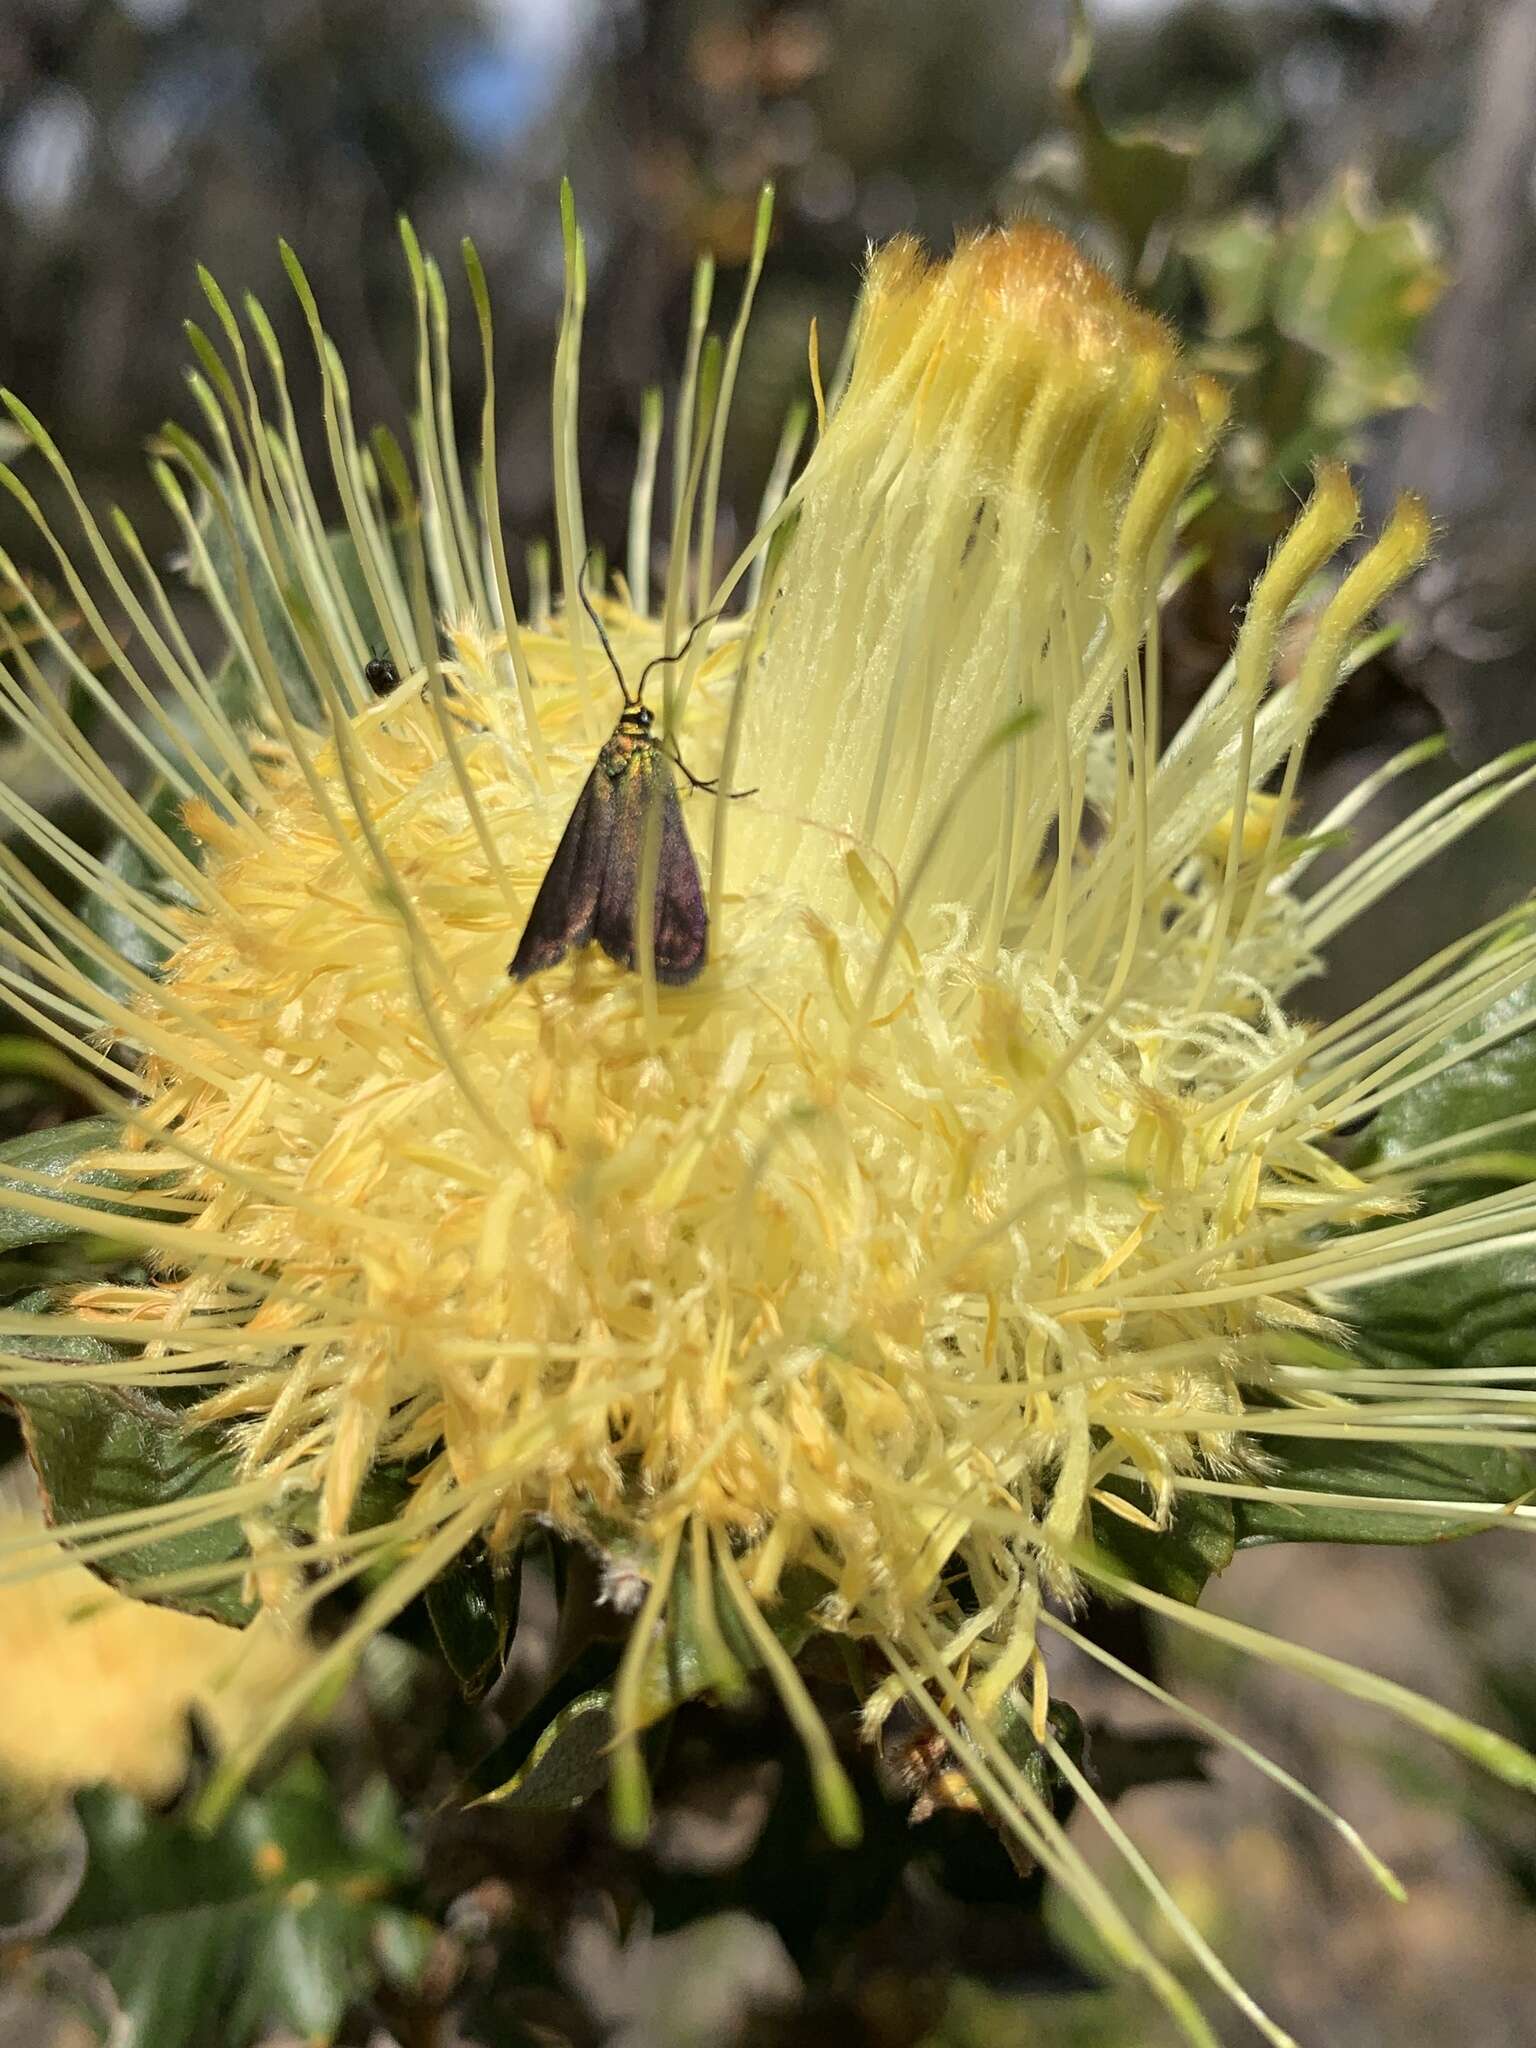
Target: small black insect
381	675
592	886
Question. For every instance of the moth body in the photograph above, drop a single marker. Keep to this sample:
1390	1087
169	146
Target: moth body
591	891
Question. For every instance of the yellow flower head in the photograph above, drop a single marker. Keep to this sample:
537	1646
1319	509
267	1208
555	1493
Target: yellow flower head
981	1177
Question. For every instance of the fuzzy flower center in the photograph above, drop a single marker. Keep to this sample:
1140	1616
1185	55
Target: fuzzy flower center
756	1257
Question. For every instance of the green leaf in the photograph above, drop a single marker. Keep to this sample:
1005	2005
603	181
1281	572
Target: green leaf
353	581
1499	1081
1355	284
277	612
1477	1312
383	1494
1318	316
1377	1471
233	691
1234	261
680	1667
126	858
1013	1724
273	610
56	1153
102	1450
1136	177
473	1610
242	699
1197	1543
269	1924
568	1763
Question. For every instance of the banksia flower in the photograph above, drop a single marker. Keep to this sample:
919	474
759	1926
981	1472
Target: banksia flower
980	1185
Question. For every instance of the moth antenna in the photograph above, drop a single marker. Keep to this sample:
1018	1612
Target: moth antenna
581	592
711	787
661	660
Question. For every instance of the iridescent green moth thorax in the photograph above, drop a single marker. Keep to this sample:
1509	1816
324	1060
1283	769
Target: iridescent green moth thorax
631	744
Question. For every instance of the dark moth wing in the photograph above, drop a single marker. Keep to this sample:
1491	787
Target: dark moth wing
592	885
682	924
564	912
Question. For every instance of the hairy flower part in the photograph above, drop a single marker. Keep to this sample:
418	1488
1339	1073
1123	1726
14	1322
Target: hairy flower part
981	1179
982	530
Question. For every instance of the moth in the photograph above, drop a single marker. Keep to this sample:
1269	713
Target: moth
591	890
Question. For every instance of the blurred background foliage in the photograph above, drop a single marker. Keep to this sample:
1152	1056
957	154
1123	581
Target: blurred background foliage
1334	201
